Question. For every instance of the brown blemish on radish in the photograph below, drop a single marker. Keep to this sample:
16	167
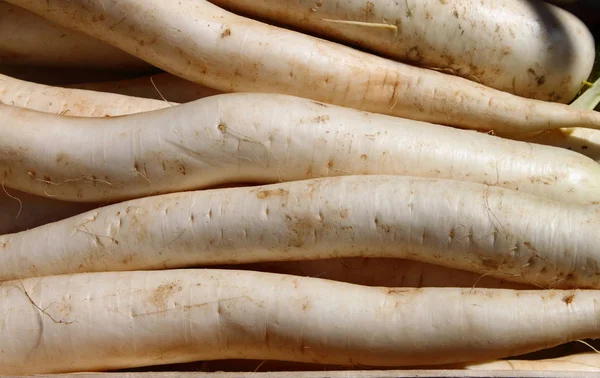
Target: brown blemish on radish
568	299
161	295
271	193
344	213
321	118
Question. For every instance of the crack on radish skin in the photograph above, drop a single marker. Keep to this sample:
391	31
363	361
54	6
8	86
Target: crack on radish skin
190	307
189	152
187	227
343	171
486	194
226	130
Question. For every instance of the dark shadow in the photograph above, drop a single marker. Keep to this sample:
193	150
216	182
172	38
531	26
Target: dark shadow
563	55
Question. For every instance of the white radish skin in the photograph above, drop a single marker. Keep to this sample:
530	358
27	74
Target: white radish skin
583	141
52	324
70	102
21	211
31	40
162	86
474	227
514	46
577	362
266	138
200	42
382	272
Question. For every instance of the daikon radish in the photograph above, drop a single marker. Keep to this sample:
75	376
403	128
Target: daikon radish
577	362
162	86
265	138
21	211
529	48
382	272
203	43
584	141
30	39
115	320
70	102
474	227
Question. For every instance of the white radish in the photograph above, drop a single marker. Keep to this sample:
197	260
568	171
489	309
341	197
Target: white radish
487	230
203	43
21	211
265	138
71	102
529	48
161	86
115	320
583	141
30	39
382	272
576	362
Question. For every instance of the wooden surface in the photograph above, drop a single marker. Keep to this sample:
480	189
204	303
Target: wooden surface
337	374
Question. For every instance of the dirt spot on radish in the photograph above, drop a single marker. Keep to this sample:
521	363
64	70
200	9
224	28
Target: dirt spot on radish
305	305
415	54
127	259
568	299
301	230
62	158
263	194
386	228
399	290
540	79
134	214
64	309
160	296
319	119
369	9
226	33
490	263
